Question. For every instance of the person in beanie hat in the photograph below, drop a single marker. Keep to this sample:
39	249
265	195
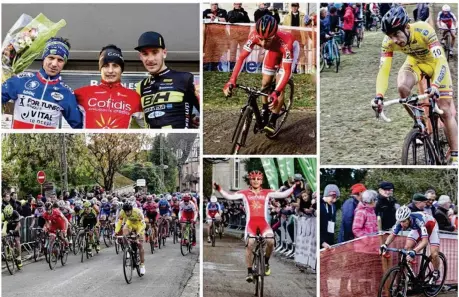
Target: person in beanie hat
386	205
109	105
168	97
41	99
418	203
348	209
328	215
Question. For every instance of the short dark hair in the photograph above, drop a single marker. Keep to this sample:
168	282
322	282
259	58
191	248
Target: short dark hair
332	9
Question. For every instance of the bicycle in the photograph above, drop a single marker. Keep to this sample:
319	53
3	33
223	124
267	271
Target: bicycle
213	232
131	256
258	262
330	52
358	37
162	232
251	111
150	238
56	250
396	281
9	252
447	43
86	238
425	135
106	232
175	226
185	248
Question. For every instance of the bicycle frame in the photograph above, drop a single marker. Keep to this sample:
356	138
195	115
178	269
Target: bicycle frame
253	105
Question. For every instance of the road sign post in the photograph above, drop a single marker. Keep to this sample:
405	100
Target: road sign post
41	178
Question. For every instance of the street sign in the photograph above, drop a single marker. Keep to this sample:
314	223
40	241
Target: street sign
141	183
41	177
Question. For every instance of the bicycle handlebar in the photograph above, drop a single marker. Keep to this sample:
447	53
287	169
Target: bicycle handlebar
408	100
400	251
252	91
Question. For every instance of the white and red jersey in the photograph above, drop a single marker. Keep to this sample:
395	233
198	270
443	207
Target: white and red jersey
188	211
256	206
280	53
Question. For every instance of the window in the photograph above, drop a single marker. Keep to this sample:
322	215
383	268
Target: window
236	173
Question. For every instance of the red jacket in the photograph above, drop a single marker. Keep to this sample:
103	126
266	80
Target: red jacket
348	23
108	106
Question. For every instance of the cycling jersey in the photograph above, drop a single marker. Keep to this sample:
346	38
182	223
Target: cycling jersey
448	18
213	209
164	207
256	205
424	55
40	101
57	222
422	225
168	99
187	212
11	222
67	212
151	210
108	106
88	219
281	52
134	222
105	209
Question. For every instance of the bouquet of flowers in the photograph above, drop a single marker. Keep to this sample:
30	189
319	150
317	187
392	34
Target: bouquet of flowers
25	41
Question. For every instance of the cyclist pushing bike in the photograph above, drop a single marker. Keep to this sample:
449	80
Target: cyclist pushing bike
424	230
256	201
425	56
280	51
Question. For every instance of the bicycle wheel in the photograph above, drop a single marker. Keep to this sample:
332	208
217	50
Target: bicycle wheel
82	246
159	235
9	259
75	243
137	263
261	275
127	265
54	254
174	235
336	55
45	250
322	62
447	46
212	234
285	109
394	283
64	256
117	246
163	234
242	130
184	248
220	231
152	245
417	149
37	248
434	289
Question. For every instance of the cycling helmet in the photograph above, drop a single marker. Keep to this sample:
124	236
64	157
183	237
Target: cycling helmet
127	206
255	173
186	198
149	198
174	198
266	27
394	20
61	203
446	8
168	197
104	200
40	204
402	213
8	211
115	200
156	200
213	199
87	204
48	206
134	204
94	201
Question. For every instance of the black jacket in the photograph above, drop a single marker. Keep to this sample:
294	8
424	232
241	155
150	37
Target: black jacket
441	215
327	213
259	13
221	13
385	208
238	16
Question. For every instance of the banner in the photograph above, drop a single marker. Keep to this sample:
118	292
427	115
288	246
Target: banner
223	43
290	162
282	162
271	172
308	165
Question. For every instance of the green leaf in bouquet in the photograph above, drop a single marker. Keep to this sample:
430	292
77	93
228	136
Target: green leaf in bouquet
46	30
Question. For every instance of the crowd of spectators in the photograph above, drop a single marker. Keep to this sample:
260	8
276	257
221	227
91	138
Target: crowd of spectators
361	211
282	213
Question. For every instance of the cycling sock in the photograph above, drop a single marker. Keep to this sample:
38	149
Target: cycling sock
266	260
249	270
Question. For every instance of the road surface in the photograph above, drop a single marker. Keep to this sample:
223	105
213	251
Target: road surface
225	271
168	274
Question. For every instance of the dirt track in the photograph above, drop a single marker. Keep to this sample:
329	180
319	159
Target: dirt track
350	134
298	135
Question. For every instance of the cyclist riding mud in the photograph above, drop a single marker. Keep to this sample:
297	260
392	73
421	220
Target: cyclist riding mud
425	55
280	51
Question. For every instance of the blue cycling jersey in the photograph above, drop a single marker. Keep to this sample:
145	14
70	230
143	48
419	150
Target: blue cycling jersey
105	209
449	16
164	207
40	101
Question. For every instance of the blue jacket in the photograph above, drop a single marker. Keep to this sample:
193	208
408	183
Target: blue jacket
345	231
40	101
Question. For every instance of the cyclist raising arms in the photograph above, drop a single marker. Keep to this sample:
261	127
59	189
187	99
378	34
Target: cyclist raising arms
424	55
447	20
424	230
279	51
256	201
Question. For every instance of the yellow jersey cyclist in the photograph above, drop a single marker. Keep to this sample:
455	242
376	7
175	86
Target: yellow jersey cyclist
11	223
423	231
133	221
424	55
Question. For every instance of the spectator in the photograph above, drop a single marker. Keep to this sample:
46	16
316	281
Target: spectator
431	199
264	9
328	215
418	202
27	207
324	27
348	27
238	34
441	214
348	209
6	200
334	20
421	12
306	204
299	185
365	217
294	18
215	14
385	206
384	8
15	203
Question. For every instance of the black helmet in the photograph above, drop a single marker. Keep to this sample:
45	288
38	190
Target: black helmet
266	27
394	20
48	205
127	206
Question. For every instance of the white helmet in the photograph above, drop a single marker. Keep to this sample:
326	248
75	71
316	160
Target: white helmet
213	199
61	203
168	197
446	8
402	213
104	200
